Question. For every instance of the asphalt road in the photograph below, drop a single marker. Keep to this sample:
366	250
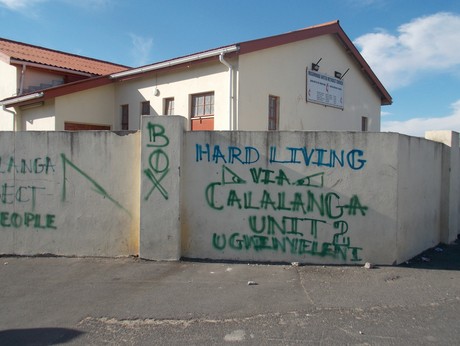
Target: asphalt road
127	301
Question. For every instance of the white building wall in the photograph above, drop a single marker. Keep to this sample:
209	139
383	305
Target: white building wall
8	88
38	118
180	84
281	71
94	106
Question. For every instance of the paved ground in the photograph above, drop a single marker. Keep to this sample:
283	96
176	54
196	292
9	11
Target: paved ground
88	301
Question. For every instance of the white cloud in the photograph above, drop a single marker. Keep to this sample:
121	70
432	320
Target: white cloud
141	49
425	44
19	5
418	126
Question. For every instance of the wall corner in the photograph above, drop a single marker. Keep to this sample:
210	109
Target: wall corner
450	204
161	156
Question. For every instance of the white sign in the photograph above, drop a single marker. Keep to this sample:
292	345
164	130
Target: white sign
324	89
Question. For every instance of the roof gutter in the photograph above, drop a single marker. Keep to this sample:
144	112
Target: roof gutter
174	62
20	99
49	67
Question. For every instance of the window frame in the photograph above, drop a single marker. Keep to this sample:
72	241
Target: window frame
364	124
273	112
145	107
167	101
125	116
194	108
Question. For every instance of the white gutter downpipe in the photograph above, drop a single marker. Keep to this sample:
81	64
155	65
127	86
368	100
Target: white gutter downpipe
21	84
24	98
230	92
14	116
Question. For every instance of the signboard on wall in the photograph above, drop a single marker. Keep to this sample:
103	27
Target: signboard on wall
324	89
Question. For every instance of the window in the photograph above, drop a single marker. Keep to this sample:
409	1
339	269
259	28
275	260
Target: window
203	104
168	106
364	123
145	108
125	117
273	112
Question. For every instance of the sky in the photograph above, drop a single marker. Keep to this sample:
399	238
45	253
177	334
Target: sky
413	46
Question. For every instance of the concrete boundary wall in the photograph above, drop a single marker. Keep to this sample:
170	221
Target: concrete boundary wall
69	193
310	197
164	193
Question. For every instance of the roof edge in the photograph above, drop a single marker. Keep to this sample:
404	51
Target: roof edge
65	53
19	99
176	61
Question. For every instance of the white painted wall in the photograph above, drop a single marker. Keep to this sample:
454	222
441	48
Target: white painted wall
8	88
281	71
278	71
227	195
77	195
382	205
93	106
419	195
450	209
38	118
212	212
180	84
162	142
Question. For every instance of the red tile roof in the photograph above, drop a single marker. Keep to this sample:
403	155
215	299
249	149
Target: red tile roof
39	55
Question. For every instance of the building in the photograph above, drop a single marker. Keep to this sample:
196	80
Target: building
311	79
27	69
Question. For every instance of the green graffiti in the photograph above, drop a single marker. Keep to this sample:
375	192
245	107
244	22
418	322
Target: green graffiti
324	204
354	205
157	137
35	166
158	160
283	233
295	246
10	194
96	186
28	220
209	193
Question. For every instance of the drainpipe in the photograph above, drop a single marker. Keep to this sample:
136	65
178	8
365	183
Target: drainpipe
19	99
13	113
21	83
230	92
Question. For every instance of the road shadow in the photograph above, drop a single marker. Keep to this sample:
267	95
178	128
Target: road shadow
37	336
442	256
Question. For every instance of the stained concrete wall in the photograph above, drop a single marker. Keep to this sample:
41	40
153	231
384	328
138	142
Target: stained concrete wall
309	197
68	193
291	196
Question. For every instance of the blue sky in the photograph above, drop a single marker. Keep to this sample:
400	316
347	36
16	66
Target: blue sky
412	45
